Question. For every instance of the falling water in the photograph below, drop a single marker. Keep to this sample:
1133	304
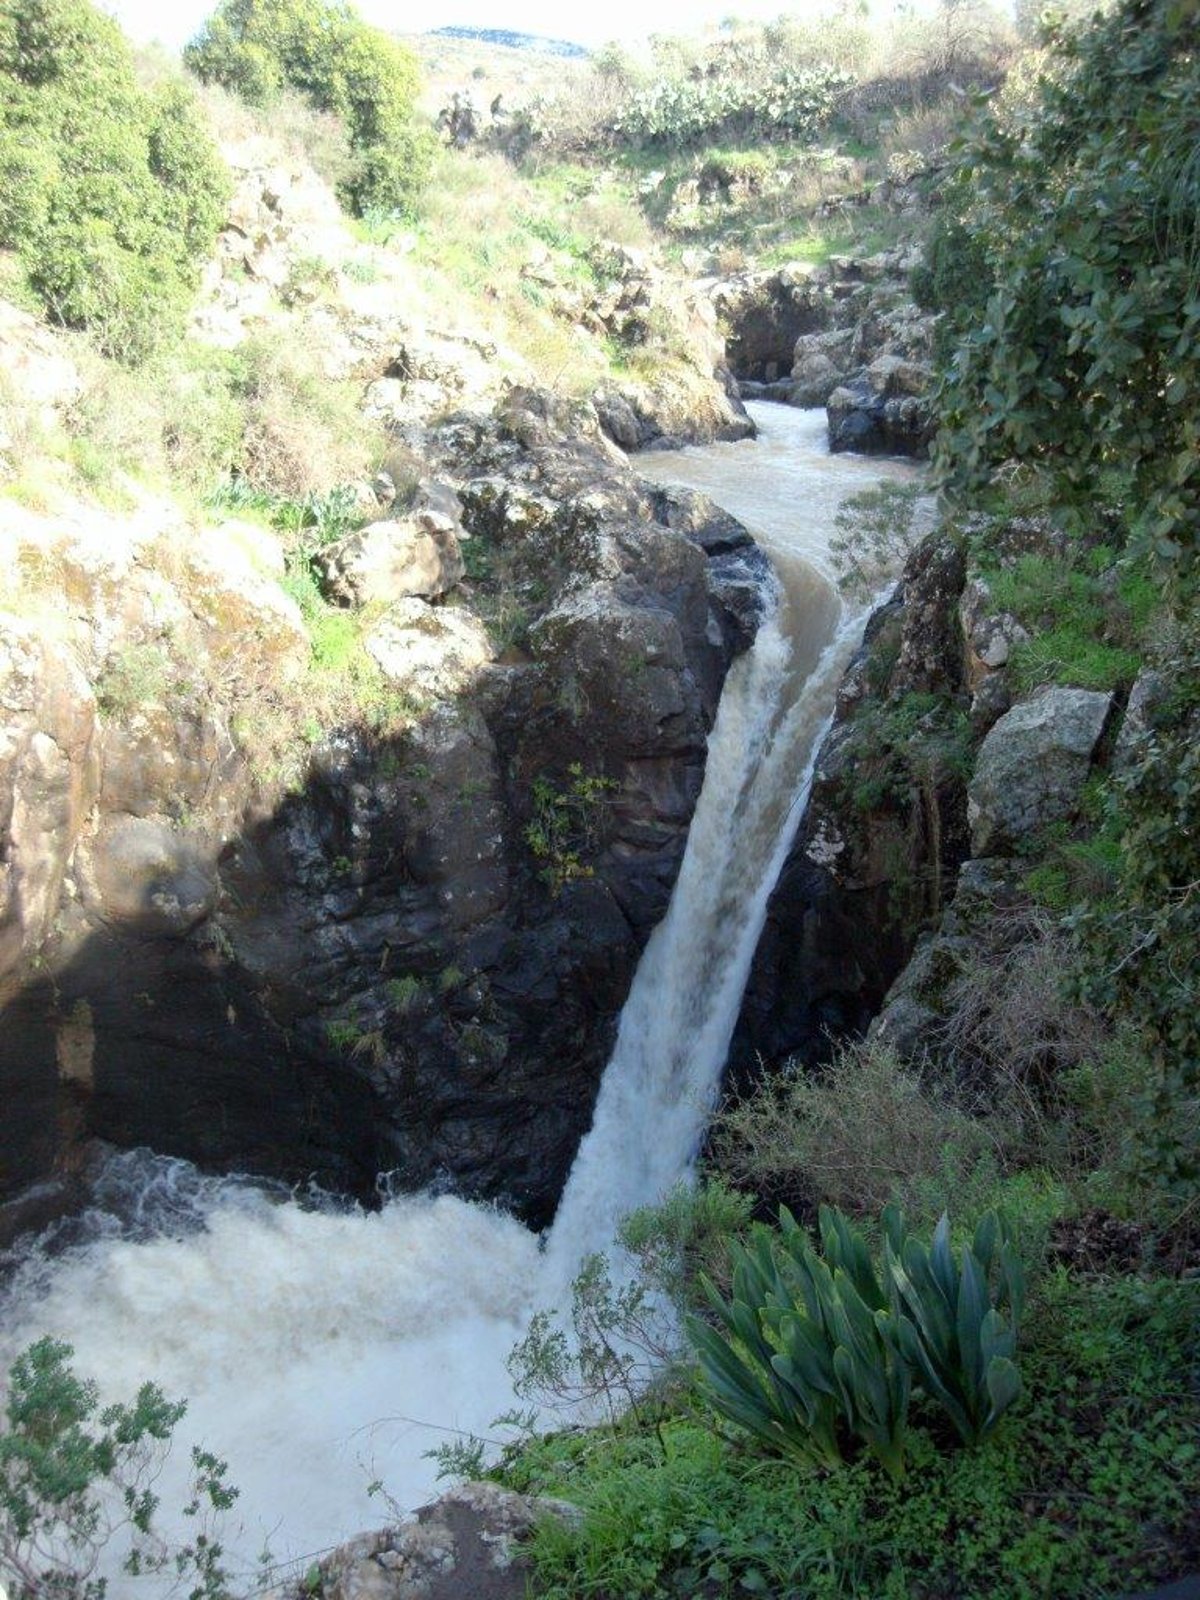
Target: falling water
322	1347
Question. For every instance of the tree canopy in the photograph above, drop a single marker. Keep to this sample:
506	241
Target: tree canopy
257	48
110	194
1085	361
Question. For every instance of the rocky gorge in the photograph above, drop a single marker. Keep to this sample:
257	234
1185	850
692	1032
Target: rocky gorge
328	940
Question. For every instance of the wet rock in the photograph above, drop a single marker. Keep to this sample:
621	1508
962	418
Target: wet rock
148	875
875	420
467	1545
49	781
877	841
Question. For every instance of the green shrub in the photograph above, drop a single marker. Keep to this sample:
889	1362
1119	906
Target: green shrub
111	195
73	1476
950	1322
813	1356
1086	359
876	531
685	111
565	824
1089	1488
256	48
805	1358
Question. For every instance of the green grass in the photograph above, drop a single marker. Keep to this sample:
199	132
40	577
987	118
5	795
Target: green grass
1085	1490
1087	621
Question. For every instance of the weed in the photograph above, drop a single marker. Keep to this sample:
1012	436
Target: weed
857	1133
406	993
565	824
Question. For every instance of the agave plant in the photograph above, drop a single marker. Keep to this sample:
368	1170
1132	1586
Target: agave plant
957	1339
806	1357
814	1354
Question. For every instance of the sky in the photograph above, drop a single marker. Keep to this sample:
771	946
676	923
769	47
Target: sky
176	21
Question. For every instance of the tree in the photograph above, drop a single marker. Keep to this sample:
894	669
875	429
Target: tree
111	196
73	1476
256	48
1085	362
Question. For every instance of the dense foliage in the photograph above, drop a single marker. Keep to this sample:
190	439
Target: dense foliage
1087	1488
110	195
787	102
74	1476
1072	384
256	48
814	1354
1086	203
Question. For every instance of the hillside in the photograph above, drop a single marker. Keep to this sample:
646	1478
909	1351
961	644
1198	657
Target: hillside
357	692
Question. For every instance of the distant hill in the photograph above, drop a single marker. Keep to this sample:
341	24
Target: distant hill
512	40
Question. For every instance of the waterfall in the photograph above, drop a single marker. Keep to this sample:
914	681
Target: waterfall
321	1347
660	1084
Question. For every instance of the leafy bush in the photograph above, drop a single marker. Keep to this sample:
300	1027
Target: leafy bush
565	823
957	1341
111	195
256	48
806	1358
73	1476
876	532
1087	359
1088	1489
787	102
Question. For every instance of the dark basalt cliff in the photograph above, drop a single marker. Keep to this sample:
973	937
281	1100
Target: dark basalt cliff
414	960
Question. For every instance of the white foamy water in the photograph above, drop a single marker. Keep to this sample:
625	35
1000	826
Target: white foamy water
321	1348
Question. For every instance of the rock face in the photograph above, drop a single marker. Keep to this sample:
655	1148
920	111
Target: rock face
765	313
845	336
912	858
273	931
1033	765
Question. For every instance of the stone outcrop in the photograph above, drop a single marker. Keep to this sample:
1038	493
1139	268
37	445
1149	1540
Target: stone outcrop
416	555
845	336
261	927
764	314
1033	765
911	861
466	1545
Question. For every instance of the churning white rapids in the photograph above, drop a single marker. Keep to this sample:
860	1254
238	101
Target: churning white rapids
323	1348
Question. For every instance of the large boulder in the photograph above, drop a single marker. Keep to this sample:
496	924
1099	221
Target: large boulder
1033	765
431	652
883	410
386	561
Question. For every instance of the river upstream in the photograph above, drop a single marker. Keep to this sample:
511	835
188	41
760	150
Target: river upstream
323	1348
